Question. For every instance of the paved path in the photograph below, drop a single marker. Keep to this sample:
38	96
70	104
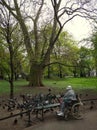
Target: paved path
88	123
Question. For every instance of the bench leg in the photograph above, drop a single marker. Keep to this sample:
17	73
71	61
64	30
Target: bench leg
37	114
41	113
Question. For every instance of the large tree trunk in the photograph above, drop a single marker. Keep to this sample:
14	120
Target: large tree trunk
36	73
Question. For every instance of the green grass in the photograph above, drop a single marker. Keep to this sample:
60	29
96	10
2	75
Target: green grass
5	86
77	83
59	84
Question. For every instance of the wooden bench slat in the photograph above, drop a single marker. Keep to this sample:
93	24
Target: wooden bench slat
47	106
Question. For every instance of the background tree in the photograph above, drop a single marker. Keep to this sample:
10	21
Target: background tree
7	31
94	45
10	46
4	69
64	56
66	52
85	61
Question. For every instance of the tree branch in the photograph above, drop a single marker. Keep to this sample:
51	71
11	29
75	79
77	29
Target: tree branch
64	65
3	3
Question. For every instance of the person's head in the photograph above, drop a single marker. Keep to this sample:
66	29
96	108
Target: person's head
69	87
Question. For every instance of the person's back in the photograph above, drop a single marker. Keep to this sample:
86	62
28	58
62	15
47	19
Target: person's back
70	94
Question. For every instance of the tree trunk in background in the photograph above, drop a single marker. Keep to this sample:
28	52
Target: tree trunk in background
60	71
96	71
36	73
11	80
48	74
1	74
75	72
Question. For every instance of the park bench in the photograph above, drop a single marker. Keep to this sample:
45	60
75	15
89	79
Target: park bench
40	109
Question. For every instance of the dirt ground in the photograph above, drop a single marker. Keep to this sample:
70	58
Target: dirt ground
89	122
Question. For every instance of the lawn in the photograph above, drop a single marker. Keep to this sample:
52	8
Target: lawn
5	86
77	83
58	84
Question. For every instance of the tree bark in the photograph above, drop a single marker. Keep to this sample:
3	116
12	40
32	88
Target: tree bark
11	89
36	73
11	52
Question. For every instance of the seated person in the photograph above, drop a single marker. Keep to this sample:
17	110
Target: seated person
68	97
